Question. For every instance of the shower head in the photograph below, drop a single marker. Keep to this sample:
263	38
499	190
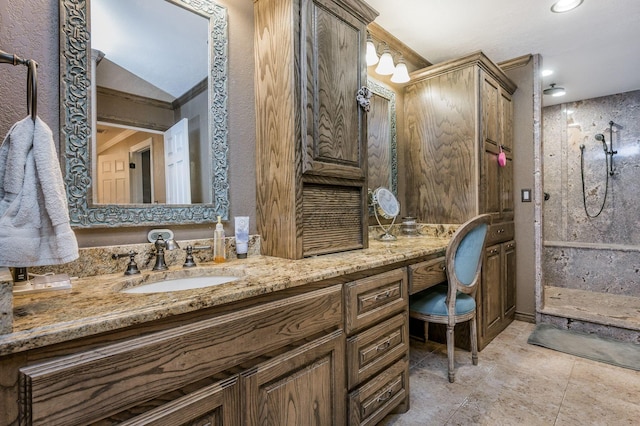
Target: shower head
600	137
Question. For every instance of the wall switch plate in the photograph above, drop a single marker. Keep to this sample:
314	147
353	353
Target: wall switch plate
526	195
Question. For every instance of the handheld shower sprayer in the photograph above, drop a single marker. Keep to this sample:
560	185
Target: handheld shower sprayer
608	156
600	138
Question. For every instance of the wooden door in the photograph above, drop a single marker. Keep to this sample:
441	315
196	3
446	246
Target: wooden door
334	126
113	179
509	264
214	405
305	386
177	167
506	173
491	292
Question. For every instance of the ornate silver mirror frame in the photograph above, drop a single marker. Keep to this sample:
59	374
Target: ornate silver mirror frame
390	151
75	126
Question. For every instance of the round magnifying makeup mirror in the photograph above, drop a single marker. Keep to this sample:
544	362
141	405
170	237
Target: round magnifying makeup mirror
385	204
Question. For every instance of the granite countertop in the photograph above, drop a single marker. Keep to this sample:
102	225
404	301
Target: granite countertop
94	304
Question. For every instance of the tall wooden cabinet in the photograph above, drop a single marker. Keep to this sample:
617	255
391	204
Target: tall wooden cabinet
458	118
311	131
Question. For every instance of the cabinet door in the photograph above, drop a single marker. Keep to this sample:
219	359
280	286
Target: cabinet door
305	386
215	405
490	188
491	292
509	264
490	95
334	131
506	173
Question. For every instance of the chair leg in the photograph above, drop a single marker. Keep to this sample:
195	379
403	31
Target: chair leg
450	355
474	340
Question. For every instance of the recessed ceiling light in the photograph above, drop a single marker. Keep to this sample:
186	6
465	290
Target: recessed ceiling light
555	91
565	5
547	73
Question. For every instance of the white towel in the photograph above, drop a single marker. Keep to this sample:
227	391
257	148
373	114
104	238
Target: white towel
34	216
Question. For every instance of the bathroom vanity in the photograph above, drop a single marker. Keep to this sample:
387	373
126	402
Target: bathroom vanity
323	338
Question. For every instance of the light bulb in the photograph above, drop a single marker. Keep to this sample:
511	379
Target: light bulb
372	55
385	66
401	73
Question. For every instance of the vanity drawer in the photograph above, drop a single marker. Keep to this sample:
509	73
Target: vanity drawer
90	385
499	232
370	351
427	274
372	299
373	401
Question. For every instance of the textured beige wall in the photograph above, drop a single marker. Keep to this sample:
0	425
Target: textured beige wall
523	166
30	29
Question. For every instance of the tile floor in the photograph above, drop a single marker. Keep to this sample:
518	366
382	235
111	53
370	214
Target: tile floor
516	383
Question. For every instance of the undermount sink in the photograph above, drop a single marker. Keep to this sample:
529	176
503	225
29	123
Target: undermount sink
178	284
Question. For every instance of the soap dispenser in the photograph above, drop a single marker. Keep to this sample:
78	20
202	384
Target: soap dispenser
218	243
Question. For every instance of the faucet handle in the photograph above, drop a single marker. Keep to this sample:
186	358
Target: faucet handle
132	266
189	262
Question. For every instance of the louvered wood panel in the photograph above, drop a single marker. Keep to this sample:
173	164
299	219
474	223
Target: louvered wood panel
332	218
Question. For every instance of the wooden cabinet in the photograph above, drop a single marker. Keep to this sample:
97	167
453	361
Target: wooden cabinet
301	387
311	132
458	118
325	353
376	321
496	182
497	291
188	373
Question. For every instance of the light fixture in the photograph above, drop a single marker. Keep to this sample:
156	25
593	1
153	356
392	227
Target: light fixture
547	73
401	73
562	6
372	55
554	91
385	66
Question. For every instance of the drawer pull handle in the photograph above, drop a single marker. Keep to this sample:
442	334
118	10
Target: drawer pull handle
384	295
386	396
444	267
383	346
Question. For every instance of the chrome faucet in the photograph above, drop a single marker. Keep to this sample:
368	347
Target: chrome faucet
161	245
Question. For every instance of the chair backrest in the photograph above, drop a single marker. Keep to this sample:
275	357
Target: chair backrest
464	256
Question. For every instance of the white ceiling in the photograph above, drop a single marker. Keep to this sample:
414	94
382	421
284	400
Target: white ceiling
594	50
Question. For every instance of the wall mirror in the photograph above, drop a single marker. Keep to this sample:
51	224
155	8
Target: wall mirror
382	149
144	111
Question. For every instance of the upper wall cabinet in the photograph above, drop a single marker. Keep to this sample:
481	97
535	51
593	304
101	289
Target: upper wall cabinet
311	149
458	119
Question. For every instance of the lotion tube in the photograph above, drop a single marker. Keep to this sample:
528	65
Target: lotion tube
242	236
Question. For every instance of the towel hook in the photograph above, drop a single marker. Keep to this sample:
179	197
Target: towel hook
32	88
32	79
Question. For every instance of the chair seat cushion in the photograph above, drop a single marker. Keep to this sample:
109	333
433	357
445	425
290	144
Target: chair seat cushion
433	302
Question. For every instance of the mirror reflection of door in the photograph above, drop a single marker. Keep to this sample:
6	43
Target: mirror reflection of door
141	172
113	179
176	162
131	166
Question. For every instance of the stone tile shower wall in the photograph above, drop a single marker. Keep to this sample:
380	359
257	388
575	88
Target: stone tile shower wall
599	254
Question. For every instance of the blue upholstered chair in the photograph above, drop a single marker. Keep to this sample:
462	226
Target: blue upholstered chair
454	302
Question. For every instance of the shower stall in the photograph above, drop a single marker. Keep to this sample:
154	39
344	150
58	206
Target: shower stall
591	221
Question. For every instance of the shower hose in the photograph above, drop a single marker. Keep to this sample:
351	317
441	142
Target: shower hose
606	188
